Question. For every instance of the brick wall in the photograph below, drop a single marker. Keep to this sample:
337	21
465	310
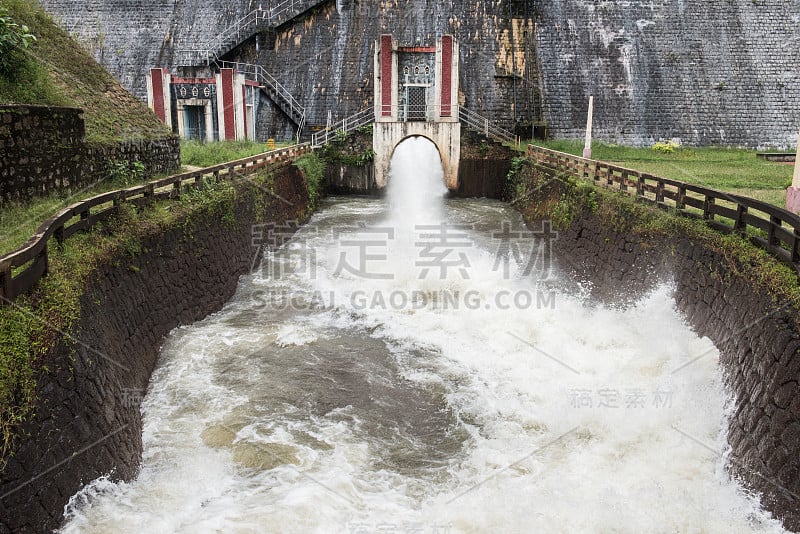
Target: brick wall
43	151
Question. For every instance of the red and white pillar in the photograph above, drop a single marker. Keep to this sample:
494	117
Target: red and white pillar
447	79
159	98
386	93
226	105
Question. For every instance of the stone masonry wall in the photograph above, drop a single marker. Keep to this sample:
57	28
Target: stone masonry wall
43	151
40	150
712	72
88	420
324	57
758	338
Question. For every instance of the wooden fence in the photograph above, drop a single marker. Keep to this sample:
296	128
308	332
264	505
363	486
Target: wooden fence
776	230
21	269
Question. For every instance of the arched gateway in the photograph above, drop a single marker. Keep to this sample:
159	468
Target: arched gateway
416	94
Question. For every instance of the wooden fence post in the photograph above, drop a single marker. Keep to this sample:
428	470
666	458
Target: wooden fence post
740	225
708	203
6	284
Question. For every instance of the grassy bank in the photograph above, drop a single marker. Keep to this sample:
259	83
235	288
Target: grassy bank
566	198
727	169
55	70
199	154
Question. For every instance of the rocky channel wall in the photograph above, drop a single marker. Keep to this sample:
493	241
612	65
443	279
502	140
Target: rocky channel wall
88	421
757	334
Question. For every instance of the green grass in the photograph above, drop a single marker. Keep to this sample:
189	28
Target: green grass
199	154
60	72
727	169
19	220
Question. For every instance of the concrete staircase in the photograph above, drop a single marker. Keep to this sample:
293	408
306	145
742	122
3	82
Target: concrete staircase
262	21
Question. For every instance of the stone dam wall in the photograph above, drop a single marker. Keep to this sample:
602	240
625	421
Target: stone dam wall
711	72
716	72
757	335
43	151
88	420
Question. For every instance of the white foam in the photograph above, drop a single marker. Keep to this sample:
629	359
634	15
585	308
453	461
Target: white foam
581	418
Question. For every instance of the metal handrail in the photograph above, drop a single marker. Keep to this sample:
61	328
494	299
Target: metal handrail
482	124
348	124
243	28
295	109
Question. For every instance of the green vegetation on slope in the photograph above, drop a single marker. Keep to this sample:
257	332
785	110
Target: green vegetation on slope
726	169
22	78
57	71
313	169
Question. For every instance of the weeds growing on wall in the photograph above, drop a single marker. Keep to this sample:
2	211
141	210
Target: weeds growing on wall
123	173
313	169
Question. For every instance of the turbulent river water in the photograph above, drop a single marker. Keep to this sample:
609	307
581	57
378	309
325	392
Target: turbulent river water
414	364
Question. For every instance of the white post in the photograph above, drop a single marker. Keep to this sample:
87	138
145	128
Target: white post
587	148
796	179
793	193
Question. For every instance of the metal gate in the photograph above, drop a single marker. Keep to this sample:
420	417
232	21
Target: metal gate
416	103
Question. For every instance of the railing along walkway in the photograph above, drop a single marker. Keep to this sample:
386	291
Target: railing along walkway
33	257
481	124
346	125
422	113
724	211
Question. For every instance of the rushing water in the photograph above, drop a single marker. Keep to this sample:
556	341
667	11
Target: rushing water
383	372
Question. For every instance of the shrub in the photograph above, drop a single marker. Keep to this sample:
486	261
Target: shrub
14	40
665	147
